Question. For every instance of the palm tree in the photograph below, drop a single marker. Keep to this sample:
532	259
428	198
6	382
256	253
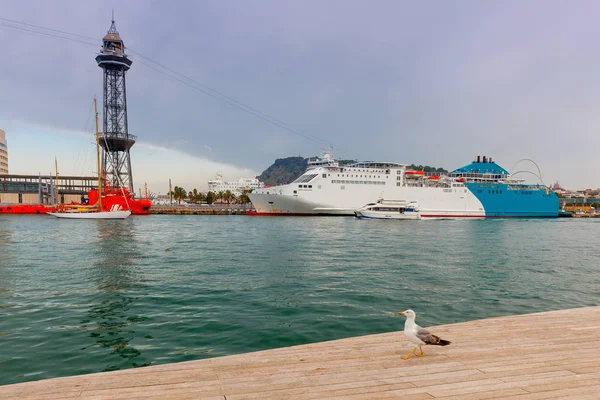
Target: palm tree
228	196
210	197
220	195
194	196
243	198
179	194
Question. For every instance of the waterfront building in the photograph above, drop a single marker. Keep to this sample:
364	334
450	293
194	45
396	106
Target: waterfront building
219	185
3	153
42	189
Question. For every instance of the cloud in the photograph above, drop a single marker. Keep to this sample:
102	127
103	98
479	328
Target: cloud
426	83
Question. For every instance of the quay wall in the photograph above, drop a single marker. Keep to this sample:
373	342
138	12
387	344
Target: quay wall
213	209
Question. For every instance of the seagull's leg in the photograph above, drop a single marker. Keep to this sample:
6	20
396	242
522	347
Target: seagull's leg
421	354
408	355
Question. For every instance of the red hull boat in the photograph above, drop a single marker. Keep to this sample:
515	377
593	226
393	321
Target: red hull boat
110	197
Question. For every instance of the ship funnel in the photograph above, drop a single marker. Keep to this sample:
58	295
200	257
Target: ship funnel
478	159
484	159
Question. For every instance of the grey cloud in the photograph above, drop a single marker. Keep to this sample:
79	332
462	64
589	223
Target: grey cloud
434	82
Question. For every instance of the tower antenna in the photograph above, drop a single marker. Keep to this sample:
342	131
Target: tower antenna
115	138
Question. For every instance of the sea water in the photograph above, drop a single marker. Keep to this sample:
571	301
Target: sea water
84	296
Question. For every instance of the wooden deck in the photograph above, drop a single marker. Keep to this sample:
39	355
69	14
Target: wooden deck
535	356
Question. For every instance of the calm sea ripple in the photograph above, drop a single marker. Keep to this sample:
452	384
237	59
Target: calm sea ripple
79	297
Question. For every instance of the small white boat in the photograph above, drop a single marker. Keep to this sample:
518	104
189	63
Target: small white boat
389	209
78	214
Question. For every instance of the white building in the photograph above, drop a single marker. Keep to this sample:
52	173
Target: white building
219	185
3	153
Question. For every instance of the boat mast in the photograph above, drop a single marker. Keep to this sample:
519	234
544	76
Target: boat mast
56	180
98	158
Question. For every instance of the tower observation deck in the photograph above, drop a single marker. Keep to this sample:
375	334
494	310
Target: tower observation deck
115	139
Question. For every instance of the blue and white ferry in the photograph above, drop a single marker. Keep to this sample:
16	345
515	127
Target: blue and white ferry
481	189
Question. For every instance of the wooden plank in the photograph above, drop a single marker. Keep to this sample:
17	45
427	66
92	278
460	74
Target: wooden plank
520	357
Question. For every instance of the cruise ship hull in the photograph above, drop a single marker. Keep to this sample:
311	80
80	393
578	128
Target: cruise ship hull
341	191
435	203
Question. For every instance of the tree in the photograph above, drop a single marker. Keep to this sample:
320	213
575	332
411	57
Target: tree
210	197
243	198
220	195
195	196
228	196
179	194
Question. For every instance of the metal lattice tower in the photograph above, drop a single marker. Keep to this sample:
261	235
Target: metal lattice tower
115	139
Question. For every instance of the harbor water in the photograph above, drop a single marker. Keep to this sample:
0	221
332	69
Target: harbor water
81	297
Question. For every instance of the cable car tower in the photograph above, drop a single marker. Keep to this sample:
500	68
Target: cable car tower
115	139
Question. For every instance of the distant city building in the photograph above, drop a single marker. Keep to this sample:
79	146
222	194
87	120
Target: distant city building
3	153
219	185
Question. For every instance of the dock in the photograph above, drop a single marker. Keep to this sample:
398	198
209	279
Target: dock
546	355
213	209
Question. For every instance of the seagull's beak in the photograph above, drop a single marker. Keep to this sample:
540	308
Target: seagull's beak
400	313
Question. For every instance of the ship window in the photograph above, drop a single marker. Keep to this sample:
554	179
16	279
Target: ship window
305	178
310	186
324	175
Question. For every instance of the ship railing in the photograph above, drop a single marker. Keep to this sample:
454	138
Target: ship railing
440	174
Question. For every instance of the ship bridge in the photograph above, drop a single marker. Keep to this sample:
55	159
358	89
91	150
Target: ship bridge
481	168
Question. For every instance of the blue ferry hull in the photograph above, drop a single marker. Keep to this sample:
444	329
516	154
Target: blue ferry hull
502	200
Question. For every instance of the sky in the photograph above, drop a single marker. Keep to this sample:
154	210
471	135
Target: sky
428	82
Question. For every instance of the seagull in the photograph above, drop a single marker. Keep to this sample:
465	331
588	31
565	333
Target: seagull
417	335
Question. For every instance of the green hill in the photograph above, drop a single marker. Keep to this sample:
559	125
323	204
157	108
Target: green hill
283	170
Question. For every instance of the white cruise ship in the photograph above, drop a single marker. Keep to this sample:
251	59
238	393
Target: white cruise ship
481	189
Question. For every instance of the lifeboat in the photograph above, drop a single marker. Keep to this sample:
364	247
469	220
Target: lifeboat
434	178
414	174
460	180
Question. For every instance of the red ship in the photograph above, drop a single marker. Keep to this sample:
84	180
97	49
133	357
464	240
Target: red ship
110	197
